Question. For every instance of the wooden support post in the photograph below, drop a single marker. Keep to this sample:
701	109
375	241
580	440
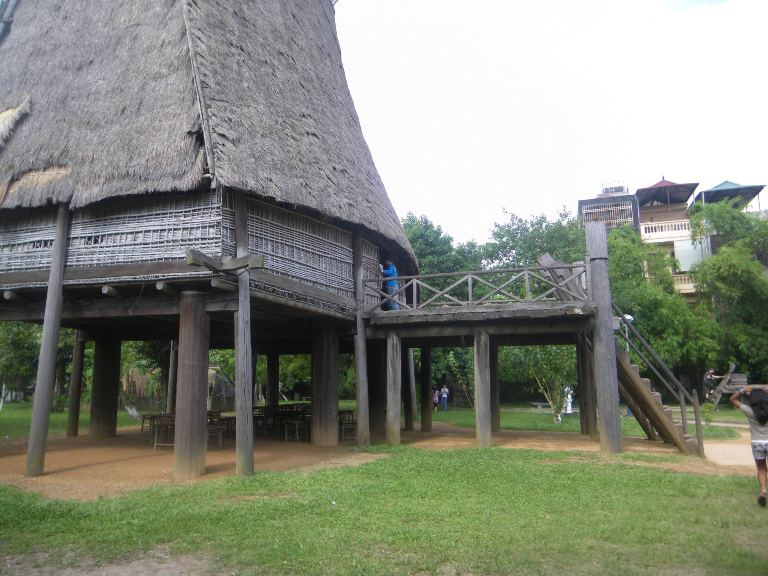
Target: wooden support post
273	379
409	389
586	393
425	384
110	291
243	361
361	352
325	383
394	384
377	387
603	346
75	384
482	390
11	296
166	288
191	434
46	367
105	391
495	391
173	370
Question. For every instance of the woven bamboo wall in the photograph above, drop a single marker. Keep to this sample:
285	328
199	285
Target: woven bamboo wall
300	247
26	239
146	230
150	229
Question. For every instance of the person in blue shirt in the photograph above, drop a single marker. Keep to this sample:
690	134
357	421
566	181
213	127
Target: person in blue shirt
390	273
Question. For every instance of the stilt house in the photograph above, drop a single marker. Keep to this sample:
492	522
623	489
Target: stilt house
132	132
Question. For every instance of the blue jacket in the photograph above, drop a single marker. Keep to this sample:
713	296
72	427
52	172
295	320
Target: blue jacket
391	273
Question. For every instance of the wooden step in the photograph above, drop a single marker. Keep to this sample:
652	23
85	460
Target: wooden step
647	384
636	368
657	397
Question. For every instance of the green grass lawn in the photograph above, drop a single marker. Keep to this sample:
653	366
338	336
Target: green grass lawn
472	511
16	416
525	419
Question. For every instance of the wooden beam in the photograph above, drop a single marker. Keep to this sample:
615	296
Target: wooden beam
105	274
325	383
409	389
361	349
376	352
425	383
166	288
224	285
604	348
243	351
495	391
111	291
46	367
76	384
215	264
482	390
173	370
394	385
105	390
11	296
191	435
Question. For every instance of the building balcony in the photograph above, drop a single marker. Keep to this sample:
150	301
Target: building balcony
683	283
665	231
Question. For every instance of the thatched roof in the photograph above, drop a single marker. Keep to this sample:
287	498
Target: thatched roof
100	100
104	102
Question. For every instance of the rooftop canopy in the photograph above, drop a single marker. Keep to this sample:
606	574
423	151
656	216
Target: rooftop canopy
727	190
665	192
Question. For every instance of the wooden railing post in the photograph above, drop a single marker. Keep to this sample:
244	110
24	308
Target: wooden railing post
361	350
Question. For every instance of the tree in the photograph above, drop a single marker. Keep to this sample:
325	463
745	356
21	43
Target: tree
733	283
19	349
518	242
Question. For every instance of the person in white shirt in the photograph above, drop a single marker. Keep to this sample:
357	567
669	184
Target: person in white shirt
754	403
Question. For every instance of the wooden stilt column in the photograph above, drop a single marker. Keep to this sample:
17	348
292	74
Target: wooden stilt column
603	346
173	370
425	385
495	392
273	379
243	360
325	383
377	387
482	390
46	367
76	384
191	436
409	389
586	393
394	384
361	352
105	391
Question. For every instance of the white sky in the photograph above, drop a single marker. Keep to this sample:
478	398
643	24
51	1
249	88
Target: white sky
472	107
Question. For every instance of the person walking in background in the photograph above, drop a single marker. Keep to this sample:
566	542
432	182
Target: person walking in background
389	271
444	396
435	399
754	403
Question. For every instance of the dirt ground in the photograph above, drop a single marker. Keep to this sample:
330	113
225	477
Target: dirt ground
85	469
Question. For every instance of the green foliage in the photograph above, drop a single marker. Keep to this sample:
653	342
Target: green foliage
641	285
19	348
518	242
734	286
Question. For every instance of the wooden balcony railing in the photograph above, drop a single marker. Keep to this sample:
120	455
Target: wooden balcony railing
483	287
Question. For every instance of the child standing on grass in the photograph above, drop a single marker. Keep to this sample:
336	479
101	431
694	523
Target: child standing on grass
756	409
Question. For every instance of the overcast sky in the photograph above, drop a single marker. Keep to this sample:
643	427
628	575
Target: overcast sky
472	107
